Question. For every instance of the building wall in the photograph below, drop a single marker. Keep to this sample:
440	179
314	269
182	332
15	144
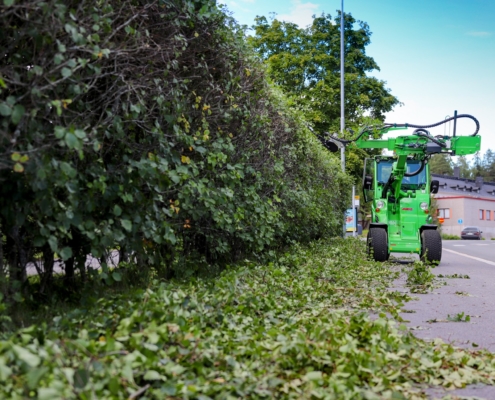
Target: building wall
467	209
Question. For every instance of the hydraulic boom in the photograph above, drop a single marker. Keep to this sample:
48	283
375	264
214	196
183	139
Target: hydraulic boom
399	186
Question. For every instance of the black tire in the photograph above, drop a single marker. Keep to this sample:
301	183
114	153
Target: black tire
378	244
431	246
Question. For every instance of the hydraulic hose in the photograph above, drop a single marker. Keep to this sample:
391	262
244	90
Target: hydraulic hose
424	133
420	131
423	127
437	124
421	168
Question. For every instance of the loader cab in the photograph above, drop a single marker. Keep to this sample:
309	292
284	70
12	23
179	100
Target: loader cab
414	168
377	172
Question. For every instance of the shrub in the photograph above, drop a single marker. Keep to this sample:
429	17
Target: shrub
148	126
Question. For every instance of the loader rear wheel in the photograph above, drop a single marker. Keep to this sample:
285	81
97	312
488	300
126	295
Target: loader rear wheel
378	244
431	246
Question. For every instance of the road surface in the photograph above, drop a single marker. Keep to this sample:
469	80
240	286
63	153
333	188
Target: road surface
459	297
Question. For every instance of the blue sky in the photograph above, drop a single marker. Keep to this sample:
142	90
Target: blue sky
436	56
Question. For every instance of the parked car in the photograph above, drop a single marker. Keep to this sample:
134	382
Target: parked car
471	232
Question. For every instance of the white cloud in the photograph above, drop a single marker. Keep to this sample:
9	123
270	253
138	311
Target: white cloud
235	6
479	34
300	14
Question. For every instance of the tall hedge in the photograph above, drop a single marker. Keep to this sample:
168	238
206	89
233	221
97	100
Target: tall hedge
147	126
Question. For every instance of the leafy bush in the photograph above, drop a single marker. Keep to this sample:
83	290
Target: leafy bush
148	127
297	328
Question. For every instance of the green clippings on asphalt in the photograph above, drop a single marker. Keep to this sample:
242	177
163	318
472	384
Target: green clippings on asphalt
454	276
420	278
312	324
459	317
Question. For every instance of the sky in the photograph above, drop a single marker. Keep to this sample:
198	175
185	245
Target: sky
436	56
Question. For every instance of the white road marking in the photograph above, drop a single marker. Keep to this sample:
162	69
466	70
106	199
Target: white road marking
459	245
474	258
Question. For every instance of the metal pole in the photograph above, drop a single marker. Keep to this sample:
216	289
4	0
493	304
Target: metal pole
455	122
354	213
445	125
342	120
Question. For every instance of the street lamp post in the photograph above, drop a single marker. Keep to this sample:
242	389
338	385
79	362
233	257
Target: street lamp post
342	97
342	120
342	109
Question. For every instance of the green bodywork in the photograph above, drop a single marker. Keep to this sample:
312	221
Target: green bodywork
401	203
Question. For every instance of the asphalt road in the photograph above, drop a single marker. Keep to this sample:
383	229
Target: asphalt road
428	316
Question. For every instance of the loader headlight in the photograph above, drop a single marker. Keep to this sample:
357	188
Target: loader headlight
380	204
423	206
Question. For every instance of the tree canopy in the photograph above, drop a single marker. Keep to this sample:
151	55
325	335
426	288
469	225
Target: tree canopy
305	62
441	164
480	166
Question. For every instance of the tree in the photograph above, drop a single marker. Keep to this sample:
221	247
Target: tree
464	167
489	166
305	62
441	164
478	168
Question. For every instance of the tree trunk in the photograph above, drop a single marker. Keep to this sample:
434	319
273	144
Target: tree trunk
69	269
48	262
81	265
3	274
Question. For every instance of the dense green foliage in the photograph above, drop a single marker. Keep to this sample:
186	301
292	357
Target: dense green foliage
296	328
441	164
484	167
305	62
148	127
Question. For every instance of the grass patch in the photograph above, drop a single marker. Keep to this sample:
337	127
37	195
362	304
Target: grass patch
446	236
298	327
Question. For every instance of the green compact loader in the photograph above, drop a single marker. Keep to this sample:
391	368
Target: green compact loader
399	186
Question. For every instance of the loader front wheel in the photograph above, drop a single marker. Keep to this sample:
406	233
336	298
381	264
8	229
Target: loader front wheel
377	243
431	246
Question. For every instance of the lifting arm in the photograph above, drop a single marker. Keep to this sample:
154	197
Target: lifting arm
418	146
